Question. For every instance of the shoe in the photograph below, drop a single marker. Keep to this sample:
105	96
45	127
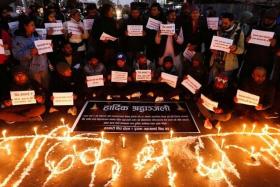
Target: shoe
208	124
72	111
159	99
52	110
37	118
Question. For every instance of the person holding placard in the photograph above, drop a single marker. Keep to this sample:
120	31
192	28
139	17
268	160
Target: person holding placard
106	49
64	80
132	45
171	45
92	12
25	52
26	112
94	86
221	92
260	86
227	62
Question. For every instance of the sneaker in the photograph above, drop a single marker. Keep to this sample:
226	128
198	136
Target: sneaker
159	99
72	111
37	118
52	110
208	124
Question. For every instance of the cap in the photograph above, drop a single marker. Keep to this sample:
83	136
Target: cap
120	56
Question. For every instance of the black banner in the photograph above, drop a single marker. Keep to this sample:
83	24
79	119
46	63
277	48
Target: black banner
121	116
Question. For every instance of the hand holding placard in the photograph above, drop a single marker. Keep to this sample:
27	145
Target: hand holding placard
261	37
153	24
247	98
143	75
208	103
221	44
167	29
95	81
191	84
23	97
43	46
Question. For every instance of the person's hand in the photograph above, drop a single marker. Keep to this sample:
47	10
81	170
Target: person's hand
81	30
34	52
259	107
50	31
144	33
105	41
273	42
191	47
233	48
248	39
75	97
52	98
8	103
218	110
213	51
175	36
63	31
235	99
40	99
70	34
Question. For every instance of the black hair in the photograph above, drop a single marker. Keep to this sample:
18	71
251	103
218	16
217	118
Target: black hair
170	11
105	9
24	20
228	15
91	6
48	12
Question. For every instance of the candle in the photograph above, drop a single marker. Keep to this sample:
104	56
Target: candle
4	132
244	127
219	130
35	130
171	133
102	134
62	121
123	141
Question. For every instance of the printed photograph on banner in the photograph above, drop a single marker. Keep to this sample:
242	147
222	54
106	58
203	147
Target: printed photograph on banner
221	44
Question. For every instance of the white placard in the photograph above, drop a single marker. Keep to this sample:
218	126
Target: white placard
188	54
221	44
213	23
13	26
87	1
43	46
119	76
63	98
191	84
169	79
42	33
2	50
143	75
57	27
73	28
105	36
153	24
261	37
208	103
247	98
167	29
23	97
135	30
88	24
95	81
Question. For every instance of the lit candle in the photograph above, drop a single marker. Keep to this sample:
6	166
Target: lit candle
147	138
102	134
123	141
35	130
244	127
219	130
62	121
223	142
254	126
4	132
171	133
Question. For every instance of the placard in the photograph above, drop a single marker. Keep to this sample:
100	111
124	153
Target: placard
95	81
73	28
43	46
23	97
208	103
57	27
188	54
88	24
13	26
143	75
167	29
135	30
191	84
247	98
119	76
63	99
2	49
221	44
261	37
169	79
42	33
153	24
87	1
213	23
134	117
105	36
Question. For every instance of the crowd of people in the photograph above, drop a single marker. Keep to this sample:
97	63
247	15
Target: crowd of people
79	55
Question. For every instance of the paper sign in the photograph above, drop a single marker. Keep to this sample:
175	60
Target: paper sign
135	30
105	36
261	37
167	29
2	50
119	76
188	54
153	24
63	98
221	44
143	75
57	27
88	24
191	84
169	79
43	46
13	26
42	33
213	23
247	98
73	28
208	103
95	81
23	97
87	1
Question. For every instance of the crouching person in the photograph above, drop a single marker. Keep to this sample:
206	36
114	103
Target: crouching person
64	89
219	93
25	102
